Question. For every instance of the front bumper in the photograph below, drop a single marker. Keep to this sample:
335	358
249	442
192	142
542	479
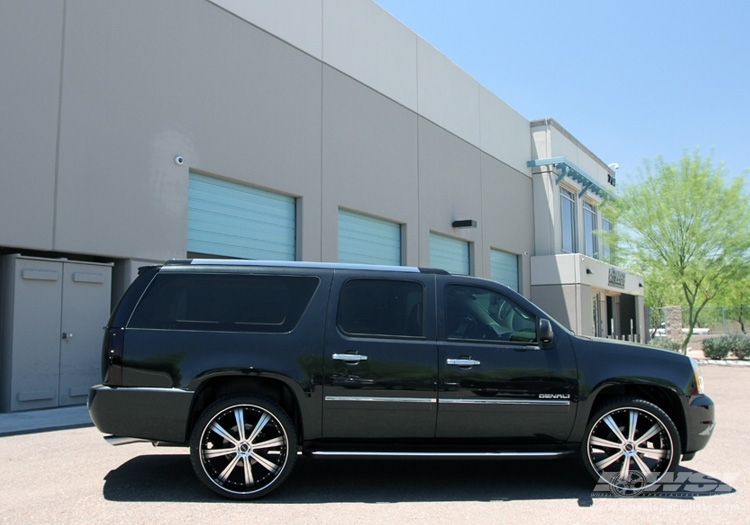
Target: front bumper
700	423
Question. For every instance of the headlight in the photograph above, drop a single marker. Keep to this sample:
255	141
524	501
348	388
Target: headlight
698	378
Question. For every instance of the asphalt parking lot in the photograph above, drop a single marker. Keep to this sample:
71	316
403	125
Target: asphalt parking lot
73	476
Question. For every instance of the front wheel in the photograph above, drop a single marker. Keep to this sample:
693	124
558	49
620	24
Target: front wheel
630	444
243	447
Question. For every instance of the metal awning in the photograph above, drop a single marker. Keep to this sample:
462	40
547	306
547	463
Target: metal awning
568	169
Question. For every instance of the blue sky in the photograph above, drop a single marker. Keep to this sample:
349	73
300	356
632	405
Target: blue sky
630	79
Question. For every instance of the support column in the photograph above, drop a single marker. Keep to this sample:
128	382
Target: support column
674	323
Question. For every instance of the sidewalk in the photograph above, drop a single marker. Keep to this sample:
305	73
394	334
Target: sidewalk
43	420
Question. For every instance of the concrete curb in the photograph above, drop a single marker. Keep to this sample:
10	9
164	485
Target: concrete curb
44	420
723	362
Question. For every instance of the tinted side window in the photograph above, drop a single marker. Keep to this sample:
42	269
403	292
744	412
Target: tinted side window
224	302
382	307
479	313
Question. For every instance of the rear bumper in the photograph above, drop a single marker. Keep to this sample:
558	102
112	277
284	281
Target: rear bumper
152	414
701	421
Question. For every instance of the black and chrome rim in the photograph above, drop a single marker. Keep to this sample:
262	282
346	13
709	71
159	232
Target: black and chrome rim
630	448
244	449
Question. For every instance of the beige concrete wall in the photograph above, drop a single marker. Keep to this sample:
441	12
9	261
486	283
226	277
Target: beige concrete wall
133	85
560	302
141	83
136	84
369	160
30	52
348	35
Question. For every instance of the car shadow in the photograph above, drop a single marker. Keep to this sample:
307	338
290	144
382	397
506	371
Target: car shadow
170	478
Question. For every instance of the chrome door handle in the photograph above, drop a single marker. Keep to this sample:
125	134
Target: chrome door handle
462	362
350	358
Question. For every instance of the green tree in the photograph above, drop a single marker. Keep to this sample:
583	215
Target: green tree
736	299
686	228
660	289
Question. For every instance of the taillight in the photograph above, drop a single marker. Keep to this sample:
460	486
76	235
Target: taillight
112	356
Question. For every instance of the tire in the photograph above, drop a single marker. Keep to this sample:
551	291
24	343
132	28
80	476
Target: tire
631	444
243	447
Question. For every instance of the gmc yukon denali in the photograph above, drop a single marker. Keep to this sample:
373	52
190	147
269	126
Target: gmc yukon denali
250	363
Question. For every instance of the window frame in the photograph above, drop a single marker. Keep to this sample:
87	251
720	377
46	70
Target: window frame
606	248
568	198
502	337
590	225
401	334
166	294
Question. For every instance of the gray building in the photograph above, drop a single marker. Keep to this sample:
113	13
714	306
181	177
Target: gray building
135	132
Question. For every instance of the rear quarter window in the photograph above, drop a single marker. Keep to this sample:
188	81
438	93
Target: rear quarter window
224	302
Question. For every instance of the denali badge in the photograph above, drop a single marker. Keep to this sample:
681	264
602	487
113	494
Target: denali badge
554	396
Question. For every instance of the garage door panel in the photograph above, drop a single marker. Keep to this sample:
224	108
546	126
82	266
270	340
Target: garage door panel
504	268
368	240
234	220
449	254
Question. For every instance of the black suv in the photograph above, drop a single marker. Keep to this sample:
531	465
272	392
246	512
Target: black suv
251	362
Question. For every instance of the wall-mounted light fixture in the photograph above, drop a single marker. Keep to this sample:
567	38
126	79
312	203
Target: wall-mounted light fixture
589	271
468	223
640	285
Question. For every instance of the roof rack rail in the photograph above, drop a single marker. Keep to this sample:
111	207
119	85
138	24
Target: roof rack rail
303	264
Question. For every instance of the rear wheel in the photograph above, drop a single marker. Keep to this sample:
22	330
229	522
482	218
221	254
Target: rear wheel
243	447
630	444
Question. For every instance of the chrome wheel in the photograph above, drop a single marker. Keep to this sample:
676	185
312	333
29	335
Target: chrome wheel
631	444
243	448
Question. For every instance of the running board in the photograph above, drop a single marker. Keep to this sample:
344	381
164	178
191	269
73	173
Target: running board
440	455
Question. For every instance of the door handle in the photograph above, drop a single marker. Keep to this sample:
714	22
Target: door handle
462	362
350	358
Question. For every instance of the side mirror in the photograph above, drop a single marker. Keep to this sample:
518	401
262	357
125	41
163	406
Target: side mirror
545	334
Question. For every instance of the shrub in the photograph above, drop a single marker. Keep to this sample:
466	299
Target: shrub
720	347
716	348
663	342
740	346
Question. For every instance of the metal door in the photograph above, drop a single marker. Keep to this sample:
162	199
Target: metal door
51	336
31	332
85	307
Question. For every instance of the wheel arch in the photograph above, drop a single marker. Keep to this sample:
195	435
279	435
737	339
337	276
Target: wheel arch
666	399
218	387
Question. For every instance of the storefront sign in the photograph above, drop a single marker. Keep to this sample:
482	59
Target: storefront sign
616	278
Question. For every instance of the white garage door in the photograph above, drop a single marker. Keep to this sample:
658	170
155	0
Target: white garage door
449	254
504	268
233	220
368	240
